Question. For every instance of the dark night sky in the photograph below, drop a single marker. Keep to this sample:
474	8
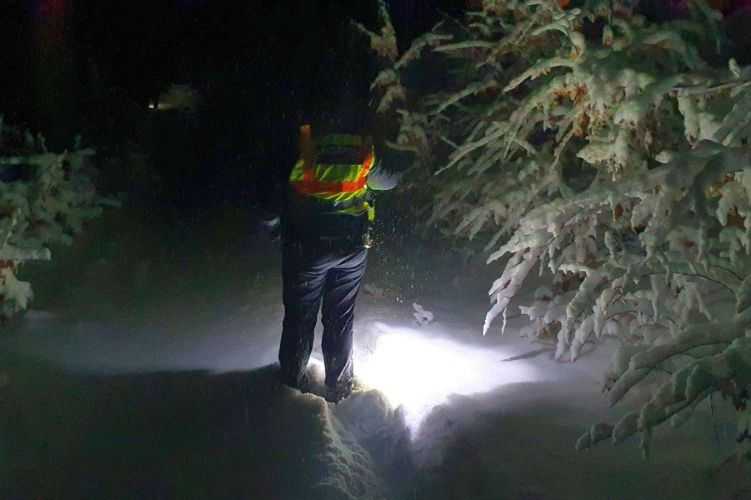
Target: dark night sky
91	67
140	45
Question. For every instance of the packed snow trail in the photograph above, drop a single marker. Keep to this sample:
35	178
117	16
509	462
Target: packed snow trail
161	385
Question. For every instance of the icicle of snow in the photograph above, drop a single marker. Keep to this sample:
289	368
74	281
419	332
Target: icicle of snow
504	289
16	294
422	315
581	336
627	426
596	433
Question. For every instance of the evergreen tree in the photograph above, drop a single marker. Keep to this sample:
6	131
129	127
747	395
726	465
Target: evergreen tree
45	198
610	151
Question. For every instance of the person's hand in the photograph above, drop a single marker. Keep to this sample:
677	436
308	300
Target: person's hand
272	227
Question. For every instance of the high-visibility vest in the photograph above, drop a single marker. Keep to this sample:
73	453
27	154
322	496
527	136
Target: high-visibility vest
333	171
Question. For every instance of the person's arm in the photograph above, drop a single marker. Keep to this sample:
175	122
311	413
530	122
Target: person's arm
390	167
271	186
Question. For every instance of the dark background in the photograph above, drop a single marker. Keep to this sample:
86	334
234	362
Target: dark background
91	67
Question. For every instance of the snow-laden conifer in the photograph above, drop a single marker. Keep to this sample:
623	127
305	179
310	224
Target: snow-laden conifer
45	198
600	147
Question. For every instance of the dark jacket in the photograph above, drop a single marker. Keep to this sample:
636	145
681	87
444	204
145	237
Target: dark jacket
309	219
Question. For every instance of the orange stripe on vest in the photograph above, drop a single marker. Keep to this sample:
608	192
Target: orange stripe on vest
311	186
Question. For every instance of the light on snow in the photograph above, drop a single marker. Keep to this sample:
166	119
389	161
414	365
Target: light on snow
419	371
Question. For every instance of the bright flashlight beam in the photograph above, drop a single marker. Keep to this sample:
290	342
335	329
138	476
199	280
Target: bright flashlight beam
418	372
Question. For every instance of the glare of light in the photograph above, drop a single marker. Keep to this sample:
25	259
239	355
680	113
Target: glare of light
418	372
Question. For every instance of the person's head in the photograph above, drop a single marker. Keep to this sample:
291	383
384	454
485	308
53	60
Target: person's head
342	111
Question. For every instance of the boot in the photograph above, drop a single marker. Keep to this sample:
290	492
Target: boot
340	392
301	383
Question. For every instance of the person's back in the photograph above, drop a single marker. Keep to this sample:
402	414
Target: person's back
328	195
326	235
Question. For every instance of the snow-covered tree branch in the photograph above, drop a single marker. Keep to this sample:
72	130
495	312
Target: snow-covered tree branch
45	198
600	147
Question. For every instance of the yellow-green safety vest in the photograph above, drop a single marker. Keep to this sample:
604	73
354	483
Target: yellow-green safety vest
340	177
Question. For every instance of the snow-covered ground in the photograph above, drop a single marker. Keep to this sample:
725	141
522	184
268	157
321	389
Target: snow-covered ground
146	372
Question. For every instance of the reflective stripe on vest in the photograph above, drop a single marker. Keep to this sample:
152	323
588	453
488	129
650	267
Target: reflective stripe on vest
312	183
333	181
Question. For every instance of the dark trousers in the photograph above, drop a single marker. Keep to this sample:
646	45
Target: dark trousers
313	272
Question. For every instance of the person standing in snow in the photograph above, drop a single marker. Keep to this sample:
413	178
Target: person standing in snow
326	233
